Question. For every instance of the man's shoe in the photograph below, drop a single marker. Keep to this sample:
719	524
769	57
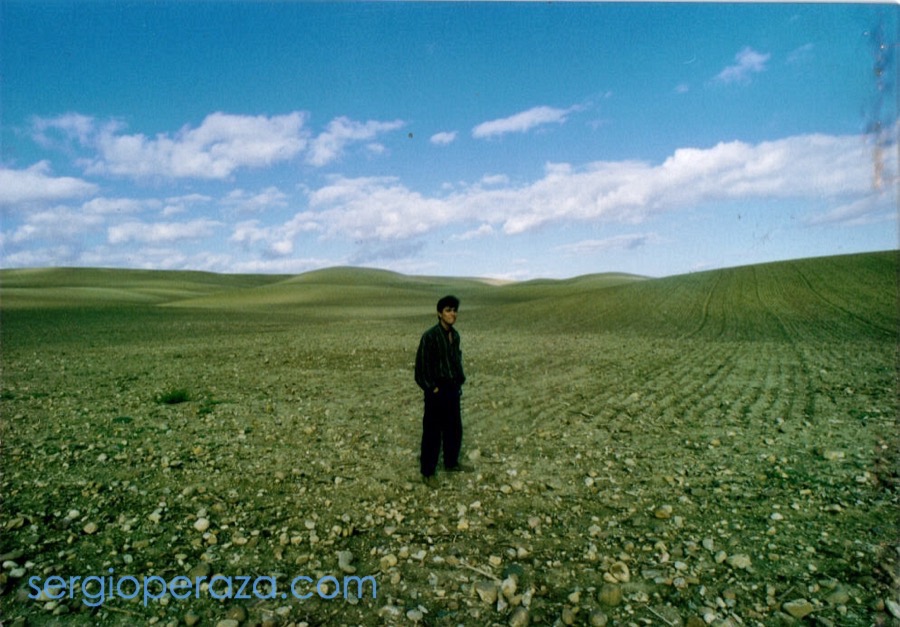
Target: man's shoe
460	468
431	481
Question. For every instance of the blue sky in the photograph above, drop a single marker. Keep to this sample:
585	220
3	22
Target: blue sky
504	140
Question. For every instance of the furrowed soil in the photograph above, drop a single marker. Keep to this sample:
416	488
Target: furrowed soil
718	448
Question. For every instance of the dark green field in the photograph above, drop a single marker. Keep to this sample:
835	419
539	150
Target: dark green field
728	436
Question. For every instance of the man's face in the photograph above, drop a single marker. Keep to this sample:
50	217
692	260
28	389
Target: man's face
447	316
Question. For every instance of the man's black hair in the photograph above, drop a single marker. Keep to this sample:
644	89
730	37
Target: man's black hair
448	301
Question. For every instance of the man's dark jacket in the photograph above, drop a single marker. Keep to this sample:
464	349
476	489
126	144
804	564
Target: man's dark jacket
439	360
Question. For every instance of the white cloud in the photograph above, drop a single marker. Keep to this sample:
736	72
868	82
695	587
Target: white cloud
482	231
375	208
59	225
802	54
443	138
870	209
72	126
747	62
44	256
522	122
383	216
180	204
244	201
118	206
283	265
160	232
380	253
274	241
494	179
341	132
37	185
221	144
188	199
153	257
816	168
618	242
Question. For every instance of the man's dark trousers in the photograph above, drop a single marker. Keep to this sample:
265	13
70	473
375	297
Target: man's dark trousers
441	424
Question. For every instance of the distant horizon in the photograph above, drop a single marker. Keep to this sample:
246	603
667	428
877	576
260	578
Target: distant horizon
505	141
484	279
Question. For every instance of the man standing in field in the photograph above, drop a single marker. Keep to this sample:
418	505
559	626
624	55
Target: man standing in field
439	373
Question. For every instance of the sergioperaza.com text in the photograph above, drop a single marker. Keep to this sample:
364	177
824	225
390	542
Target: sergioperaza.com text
96	590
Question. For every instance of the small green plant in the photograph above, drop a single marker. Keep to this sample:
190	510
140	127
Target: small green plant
206	406
174	397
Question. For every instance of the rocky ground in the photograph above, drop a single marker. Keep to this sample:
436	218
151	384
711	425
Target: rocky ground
618	480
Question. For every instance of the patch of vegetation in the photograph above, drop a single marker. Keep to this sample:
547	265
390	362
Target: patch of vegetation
174	397
207	405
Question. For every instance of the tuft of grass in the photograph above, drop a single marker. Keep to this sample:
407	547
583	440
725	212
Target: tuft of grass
174	397
206	406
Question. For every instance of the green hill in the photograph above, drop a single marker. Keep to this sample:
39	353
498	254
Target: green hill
338	292
848	296
843	297
95	287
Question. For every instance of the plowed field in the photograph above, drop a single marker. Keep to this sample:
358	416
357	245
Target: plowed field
729	438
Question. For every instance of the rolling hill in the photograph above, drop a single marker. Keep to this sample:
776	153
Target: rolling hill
844	297
850	296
